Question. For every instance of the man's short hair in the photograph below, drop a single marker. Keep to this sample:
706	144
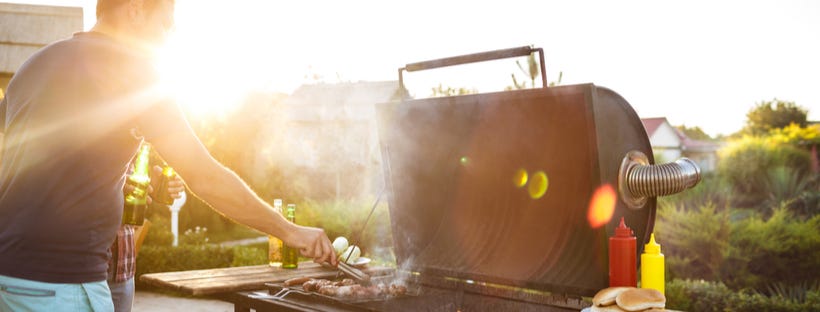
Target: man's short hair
104	6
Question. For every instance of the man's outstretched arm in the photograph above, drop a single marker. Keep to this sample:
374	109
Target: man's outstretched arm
223	189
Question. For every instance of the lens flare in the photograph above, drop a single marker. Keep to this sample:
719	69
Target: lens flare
539	185
602	206
520	178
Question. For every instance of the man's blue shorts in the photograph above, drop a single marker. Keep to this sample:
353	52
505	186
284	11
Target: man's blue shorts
24	295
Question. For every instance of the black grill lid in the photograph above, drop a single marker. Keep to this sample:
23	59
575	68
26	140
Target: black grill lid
458	206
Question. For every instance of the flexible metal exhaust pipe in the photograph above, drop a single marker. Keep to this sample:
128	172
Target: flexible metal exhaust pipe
638	180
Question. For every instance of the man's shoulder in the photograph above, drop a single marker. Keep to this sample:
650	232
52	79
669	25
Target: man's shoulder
95	55
94	45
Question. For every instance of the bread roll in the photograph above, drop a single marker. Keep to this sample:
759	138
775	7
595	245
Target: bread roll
639	299
607	296
610	308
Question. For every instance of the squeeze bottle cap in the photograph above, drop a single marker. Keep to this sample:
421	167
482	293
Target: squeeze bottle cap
652	247
622	230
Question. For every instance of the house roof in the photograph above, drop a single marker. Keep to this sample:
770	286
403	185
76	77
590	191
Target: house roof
686	143
652	124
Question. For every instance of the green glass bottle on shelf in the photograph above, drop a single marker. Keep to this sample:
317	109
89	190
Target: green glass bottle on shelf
136	201
274	243
290	255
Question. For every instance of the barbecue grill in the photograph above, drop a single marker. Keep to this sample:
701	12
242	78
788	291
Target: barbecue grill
504	201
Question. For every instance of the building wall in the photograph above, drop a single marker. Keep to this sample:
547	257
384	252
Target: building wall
666	145
25	28
706	161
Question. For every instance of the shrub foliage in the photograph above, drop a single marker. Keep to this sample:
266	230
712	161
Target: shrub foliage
700	295
747	165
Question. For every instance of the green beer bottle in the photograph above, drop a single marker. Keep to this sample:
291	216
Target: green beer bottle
163	197
290	255
136	201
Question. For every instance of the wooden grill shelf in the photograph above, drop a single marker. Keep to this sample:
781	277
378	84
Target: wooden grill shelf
223	280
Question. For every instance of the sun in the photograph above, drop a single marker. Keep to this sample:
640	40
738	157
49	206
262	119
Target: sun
195	81
215	57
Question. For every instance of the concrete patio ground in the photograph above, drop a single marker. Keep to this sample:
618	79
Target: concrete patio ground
148	301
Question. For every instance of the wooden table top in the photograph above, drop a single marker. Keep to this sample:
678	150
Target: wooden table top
224	280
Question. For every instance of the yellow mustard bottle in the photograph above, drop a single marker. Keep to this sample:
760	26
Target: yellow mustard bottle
652	266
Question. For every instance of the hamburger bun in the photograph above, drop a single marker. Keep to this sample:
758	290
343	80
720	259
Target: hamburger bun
639	299
607	296
610	308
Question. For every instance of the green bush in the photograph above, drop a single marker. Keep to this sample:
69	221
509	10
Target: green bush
779	249
195	236
249	255
154	259
798	192
743	250
798	292
158	259
699	295
346	217
745	164
193	253
159	233
695	241
711	190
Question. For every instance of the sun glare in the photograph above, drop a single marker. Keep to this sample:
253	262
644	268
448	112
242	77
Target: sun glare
602	206
216	56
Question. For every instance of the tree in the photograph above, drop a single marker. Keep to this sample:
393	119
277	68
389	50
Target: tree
763	117
532	71
695	133
449	91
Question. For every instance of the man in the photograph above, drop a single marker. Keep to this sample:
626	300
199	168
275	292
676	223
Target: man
68	112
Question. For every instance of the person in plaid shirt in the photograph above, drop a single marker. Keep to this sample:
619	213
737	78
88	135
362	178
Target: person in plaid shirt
121	268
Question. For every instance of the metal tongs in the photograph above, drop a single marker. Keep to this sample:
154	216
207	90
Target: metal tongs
345	268
354	273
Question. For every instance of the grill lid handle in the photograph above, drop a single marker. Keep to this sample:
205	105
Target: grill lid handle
475	58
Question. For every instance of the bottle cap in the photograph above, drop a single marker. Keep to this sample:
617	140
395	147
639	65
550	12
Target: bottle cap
622	230
652	247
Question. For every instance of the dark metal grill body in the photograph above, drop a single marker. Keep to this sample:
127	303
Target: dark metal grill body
477	235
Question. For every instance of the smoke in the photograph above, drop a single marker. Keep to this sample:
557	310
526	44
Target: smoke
321	145
323	140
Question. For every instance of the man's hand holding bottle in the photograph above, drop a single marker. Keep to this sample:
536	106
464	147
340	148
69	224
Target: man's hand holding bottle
175	185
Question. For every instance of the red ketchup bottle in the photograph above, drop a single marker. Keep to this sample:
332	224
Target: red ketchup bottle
623	257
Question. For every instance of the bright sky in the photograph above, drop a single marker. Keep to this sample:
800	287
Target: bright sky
699	63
